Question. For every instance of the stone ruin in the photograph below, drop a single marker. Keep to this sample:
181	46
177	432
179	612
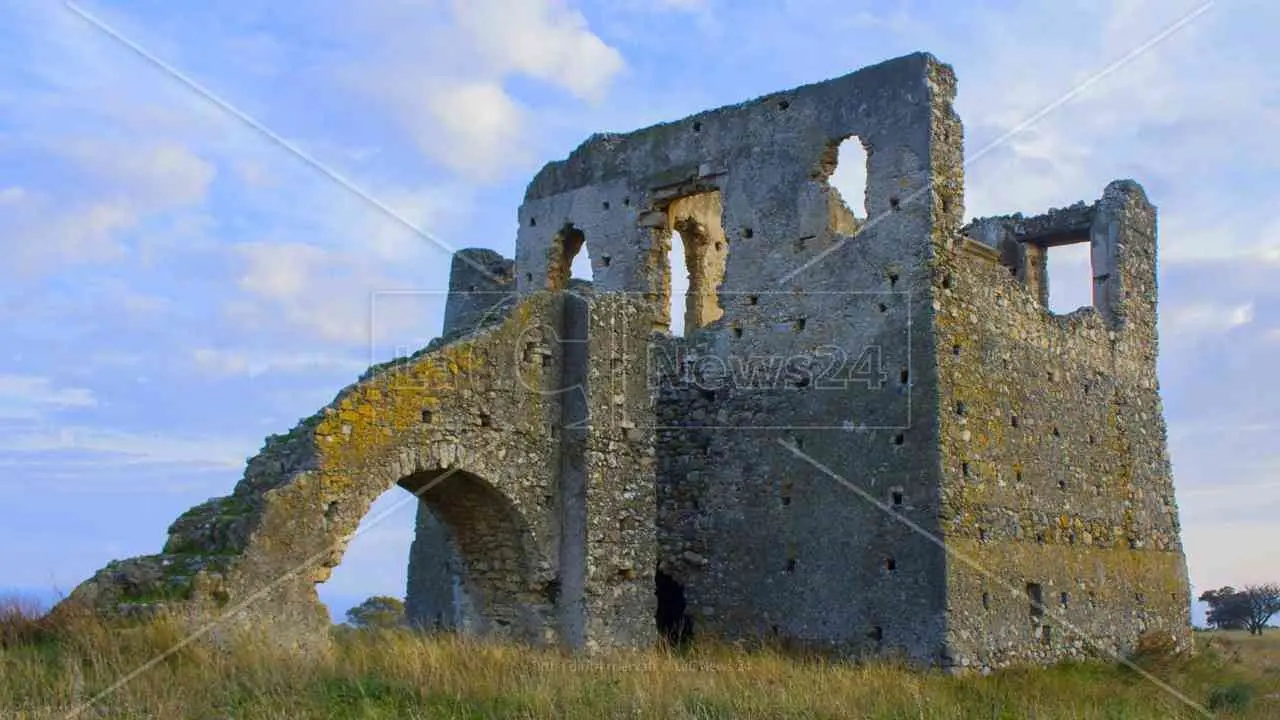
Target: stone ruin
872	438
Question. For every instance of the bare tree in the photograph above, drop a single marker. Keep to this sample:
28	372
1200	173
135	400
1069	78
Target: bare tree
1263	602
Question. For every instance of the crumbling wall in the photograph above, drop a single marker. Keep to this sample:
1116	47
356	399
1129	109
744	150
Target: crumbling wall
1058	503
760	541
471	426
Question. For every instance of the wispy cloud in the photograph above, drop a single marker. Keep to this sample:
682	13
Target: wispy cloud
33	397
127	448
1205	317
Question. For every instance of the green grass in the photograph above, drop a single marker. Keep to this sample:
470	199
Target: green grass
49	667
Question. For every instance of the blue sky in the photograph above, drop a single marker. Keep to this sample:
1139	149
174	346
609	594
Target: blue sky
176	284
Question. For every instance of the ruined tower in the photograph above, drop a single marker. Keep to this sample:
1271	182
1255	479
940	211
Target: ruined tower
872	437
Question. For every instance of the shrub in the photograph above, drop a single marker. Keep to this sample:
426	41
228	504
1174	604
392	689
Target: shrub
21	622
1234	697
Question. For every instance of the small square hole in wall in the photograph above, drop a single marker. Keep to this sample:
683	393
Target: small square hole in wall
899	439
791	565
798	325
961	408
883	308
964	469
485	420
753	299
986	601
748	233
890	564
737	331
876	633
896	498
1035	598
982	534
904	376
1057	433
1040	538
955	349
606	260
1064	599
426	417
1013	421
1062	484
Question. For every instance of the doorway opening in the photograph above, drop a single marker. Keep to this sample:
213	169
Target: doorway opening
674	624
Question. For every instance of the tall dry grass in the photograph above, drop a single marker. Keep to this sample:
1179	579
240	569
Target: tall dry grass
50	666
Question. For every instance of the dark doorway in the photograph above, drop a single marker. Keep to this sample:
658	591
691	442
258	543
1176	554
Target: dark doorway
674	624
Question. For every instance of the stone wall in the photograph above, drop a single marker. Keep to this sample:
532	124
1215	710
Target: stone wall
1057	483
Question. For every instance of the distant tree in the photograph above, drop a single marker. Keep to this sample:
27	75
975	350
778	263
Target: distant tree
1228	608
1263	601
379	611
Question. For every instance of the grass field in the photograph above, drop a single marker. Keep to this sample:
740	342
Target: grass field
49	669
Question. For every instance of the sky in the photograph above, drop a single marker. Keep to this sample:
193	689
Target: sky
215	216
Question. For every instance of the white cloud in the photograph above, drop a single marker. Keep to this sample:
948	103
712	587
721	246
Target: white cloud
155	175
543	39
32	397
1207	317
327	294
11	195
475	128
443	79
128	448
252	364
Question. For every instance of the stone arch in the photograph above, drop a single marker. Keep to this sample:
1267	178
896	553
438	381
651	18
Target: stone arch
494	547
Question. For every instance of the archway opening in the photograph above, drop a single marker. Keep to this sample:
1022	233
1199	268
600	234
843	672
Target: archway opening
570	259
697	253
469	560
374	559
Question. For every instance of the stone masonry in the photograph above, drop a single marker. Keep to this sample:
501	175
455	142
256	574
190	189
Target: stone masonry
872	438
